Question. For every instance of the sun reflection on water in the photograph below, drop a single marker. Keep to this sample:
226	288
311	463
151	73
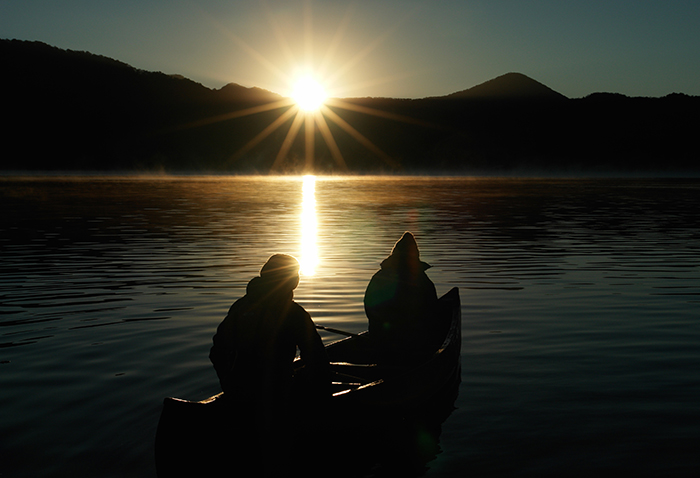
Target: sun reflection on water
309	250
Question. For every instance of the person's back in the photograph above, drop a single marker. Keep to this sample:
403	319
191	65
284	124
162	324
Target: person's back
399	301
254	347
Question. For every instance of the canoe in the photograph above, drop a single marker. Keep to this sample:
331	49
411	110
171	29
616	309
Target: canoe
360	382
367	394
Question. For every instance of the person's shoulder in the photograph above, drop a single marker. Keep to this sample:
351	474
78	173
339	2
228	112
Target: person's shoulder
298	319
298	311
384	275
240	304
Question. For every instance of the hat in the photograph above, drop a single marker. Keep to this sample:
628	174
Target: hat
405	251
280	267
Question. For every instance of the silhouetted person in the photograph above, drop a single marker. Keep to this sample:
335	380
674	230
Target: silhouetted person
400	301
254	348
255	345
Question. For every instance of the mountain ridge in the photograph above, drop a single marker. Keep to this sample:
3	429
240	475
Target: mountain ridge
512	85
67	110
507	81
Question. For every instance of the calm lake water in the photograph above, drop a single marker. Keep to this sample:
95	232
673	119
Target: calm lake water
580	304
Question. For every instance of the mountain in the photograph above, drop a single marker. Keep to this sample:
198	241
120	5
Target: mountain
236	92
511	86
74	111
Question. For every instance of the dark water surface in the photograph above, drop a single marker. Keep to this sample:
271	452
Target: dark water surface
581	301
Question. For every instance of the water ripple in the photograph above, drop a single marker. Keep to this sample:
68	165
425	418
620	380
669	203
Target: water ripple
580	302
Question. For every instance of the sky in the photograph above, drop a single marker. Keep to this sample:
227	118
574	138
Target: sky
384	48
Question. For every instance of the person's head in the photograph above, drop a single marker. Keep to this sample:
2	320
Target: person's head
406	247
282	272
405	254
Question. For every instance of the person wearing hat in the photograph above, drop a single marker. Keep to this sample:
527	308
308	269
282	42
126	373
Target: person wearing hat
255	345
399	301
253	354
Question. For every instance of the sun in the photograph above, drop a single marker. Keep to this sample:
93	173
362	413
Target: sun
308	94
306	109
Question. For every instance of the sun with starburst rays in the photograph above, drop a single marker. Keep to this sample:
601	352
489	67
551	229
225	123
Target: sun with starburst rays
307	105
308	94
310	108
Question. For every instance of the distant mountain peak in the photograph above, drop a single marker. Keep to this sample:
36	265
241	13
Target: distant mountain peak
511	86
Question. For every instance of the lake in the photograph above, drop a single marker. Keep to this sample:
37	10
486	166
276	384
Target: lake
580	309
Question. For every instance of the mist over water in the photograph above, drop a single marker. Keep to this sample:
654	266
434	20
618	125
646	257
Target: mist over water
580	300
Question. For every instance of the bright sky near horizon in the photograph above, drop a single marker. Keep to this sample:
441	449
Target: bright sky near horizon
390	48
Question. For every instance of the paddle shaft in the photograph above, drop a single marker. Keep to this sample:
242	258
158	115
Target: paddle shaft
336	331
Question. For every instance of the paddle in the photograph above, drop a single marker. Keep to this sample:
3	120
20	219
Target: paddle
336	331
